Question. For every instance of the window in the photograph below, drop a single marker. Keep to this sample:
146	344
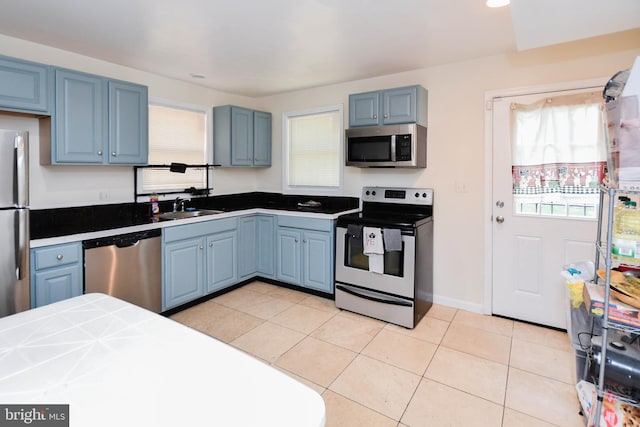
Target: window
559	155
313	154
177	133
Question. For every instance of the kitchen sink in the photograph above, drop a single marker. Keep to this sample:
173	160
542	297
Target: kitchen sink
169	216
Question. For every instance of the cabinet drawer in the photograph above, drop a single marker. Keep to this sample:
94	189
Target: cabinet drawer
54	256
306	223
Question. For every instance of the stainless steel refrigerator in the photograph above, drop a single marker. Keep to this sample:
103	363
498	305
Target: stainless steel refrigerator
15	292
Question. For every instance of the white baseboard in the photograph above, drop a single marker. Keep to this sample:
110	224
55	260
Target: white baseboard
459	304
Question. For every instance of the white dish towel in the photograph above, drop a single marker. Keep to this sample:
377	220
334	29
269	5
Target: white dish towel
373	248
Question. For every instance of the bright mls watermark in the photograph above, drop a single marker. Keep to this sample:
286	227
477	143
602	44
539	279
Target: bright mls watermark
34	415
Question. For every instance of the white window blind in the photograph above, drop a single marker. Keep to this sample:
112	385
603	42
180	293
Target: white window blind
314	149
176	134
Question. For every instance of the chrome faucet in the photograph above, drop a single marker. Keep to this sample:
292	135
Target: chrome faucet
178	204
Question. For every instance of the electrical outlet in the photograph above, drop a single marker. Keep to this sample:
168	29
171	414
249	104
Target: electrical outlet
461	187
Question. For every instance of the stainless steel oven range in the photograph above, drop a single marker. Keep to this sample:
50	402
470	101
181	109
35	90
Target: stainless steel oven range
394	284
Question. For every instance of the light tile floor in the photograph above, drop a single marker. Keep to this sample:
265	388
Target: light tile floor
455	368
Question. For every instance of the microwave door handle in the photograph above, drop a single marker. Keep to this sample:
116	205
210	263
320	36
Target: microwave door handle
393	148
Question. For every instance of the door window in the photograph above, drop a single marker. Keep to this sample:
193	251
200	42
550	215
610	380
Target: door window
558	155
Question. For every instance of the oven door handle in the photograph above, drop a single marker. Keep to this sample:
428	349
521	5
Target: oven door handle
372	298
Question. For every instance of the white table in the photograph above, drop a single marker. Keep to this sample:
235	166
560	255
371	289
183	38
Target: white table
117	364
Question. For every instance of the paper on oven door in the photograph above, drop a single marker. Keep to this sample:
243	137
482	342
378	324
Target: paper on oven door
373	248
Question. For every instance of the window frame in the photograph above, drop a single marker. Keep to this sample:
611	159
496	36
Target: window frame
208	137
306	189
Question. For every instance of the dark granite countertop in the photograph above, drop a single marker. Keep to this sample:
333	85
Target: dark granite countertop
46	223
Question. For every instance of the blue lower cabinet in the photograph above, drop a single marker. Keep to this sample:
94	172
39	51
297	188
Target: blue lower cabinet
209	256
56	273
183	276
266	246
247	246
304	256
256	246
288	255
222	270
317	258
198	259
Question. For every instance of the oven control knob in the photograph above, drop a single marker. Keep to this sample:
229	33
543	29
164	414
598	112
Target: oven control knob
417	194
373	193
424	195
366	192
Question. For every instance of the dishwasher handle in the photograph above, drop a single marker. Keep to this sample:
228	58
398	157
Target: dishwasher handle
126	242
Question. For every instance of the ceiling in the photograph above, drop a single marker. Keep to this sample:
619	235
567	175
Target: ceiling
257	48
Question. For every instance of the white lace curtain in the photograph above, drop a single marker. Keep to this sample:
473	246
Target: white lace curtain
558	144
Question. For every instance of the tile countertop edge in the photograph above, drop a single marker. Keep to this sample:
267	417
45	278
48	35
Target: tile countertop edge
162	224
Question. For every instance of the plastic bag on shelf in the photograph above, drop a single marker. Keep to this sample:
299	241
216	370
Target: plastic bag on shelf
575	275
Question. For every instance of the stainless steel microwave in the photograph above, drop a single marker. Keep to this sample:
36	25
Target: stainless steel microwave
390	146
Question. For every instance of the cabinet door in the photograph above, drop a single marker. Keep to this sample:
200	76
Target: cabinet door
79	118
364	108
266	244
24	86
288	255
247	249
262	138
399	105
221	260
241	136
316	256
57	284
128	123
183	278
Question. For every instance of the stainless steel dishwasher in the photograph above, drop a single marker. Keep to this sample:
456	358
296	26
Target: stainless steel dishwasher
126	266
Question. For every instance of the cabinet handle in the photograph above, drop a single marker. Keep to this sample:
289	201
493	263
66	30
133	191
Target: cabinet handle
386	116
210	244
201	247
114	154
59	257
304	241
375	116
296	240
99	152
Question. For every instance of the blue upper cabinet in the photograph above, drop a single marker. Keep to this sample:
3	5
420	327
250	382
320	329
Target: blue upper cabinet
24	86
261	138
390	106
241	137
364	109
95	120
78	129
128	123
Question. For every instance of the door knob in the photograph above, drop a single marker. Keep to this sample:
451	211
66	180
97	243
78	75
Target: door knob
499	219
500	204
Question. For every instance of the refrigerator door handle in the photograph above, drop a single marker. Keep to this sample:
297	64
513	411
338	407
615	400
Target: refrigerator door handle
21	234
22	177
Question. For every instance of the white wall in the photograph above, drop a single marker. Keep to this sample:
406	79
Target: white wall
455	140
